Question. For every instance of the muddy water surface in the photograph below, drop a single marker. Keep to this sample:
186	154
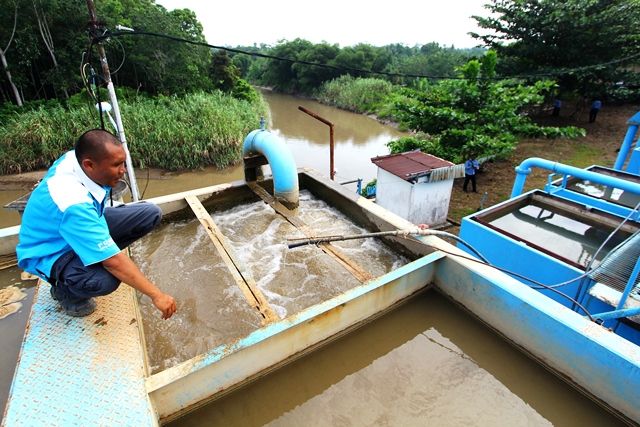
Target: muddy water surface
212	311
426	363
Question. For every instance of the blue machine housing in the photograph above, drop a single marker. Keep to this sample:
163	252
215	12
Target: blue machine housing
527	258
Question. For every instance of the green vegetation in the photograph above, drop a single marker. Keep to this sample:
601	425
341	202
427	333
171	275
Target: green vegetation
362	95
360	61
172	133
584	156
453	117
186	106
542	36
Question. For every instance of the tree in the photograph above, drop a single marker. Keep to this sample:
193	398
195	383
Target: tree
3	58
223	73
542	36
309	77
474	114
280	74
43	41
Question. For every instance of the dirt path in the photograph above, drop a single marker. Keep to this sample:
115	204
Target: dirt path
603	138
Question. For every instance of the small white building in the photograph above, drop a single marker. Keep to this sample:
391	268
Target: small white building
415	186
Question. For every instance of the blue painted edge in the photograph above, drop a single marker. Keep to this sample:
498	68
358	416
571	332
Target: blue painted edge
588	355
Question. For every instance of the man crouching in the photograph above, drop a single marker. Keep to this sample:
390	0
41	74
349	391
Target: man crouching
71	239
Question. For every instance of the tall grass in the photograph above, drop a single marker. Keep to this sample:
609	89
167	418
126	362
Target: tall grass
174	133
357	95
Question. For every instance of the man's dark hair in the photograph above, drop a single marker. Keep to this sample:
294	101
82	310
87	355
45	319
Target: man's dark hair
91	144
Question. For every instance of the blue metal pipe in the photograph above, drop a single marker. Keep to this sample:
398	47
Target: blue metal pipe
283	165
525	169
617	314
627	143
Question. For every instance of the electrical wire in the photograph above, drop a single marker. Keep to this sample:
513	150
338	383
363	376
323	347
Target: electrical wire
108	34
124	57
609	237
504	270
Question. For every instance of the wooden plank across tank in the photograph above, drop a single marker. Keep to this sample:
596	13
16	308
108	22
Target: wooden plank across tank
352	267
240	273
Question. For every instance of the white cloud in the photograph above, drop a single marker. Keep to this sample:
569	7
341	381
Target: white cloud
337	21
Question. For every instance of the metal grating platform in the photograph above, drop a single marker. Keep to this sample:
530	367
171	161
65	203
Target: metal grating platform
616	269
81	371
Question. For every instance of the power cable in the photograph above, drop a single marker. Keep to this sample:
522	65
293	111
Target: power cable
108	34
504	270
609	237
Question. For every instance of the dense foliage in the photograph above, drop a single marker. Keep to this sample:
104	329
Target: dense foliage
44	41
475	114
172	133
363	60
547	36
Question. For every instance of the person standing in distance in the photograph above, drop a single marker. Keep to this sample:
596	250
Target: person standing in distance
470	168
557	104
595	107
71	239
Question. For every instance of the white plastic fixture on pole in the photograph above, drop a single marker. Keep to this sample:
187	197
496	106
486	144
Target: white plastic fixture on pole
105	107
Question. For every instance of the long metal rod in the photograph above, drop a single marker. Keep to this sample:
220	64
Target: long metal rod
343	259
404	233
331	143
114	102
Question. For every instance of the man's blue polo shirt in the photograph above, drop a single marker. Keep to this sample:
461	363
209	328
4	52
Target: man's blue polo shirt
64	212
470	167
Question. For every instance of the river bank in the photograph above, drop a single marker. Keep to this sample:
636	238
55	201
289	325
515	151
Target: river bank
597	147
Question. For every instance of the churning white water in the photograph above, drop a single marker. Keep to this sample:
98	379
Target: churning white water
180	258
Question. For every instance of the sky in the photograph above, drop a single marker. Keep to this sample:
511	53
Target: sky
345	22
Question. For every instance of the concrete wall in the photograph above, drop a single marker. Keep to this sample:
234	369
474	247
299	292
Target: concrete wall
422	203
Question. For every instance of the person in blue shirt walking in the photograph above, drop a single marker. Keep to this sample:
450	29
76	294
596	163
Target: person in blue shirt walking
595	107
470	168
557	104
73	240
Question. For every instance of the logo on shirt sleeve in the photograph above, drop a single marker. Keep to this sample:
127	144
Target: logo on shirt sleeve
106	244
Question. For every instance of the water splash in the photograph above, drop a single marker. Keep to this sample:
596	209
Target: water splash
182	261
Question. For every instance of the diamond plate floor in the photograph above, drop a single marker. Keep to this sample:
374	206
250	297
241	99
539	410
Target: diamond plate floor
81	371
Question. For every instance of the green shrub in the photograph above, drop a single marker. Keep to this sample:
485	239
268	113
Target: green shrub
173	133
355	94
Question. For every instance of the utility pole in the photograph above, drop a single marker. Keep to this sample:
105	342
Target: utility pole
114	102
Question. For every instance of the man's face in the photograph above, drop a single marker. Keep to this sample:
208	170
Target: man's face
110	170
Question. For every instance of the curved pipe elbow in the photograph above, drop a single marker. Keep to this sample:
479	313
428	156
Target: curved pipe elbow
283	165
525	169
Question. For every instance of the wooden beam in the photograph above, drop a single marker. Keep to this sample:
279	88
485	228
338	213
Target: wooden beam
578	213
240	274
7	261
350	265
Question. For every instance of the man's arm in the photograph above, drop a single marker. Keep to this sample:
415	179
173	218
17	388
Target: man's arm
128	272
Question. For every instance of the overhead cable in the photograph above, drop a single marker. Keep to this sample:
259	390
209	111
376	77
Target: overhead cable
108	34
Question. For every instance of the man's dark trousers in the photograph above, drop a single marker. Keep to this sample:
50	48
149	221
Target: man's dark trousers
127	223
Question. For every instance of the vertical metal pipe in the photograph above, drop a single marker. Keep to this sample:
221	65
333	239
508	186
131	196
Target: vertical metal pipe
331	151
626	147
331	144
114	102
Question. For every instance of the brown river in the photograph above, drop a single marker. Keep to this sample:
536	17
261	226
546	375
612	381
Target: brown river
427	363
